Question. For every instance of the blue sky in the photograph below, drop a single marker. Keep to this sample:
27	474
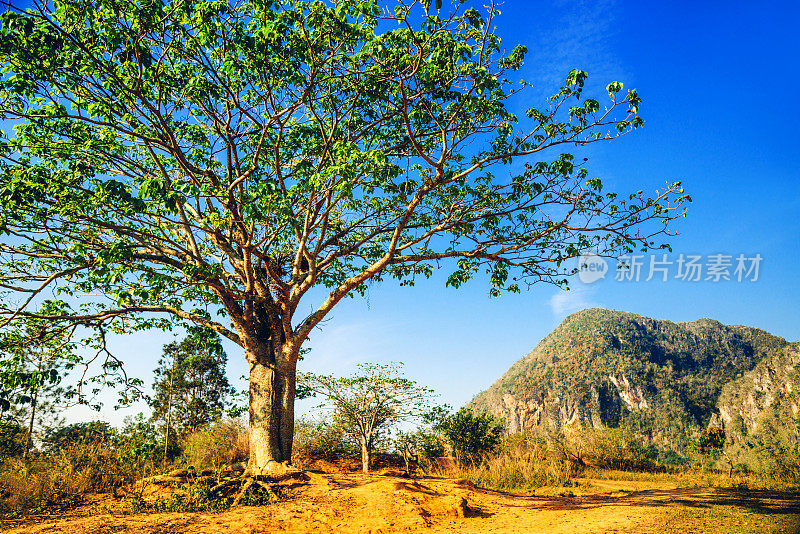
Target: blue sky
718	82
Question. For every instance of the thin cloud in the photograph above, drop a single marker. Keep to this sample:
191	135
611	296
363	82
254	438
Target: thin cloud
336	349
566	302
578	34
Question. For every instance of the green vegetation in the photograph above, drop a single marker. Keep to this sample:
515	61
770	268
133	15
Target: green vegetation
191	388
80	459
471	435
212	163
216	445
566	458
761	412
75	434
34	359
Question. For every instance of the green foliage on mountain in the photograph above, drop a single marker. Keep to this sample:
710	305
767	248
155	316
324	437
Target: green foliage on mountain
761	410
602	367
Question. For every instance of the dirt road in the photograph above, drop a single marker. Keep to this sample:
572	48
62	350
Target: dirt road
355	503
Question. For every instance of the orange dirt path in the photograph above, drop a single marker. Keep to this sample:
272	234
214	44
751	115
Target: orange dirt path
355	503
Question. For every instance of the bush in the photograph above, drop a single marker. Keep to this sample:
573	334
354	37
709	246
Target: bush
522	462
60	480
429	443
609	448
197	497
138	445
322	440
471	435
782	463
77	433
711	438
13	438
216	445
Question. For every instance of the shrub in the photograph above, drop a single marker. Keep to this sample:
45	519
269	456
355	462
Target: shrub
429	443
782	463
522	462
216	445
322	440
471	435
138	445
77	433
711	438
61	479
610	448
13	438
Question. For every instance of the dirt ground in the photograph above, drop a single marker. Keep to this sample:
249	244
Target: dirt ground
356	503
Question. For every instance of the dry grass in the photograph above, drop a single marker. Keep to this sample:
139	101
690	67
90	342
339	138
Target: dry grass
219	444
61	480
523	462
526	462
694	477
314	441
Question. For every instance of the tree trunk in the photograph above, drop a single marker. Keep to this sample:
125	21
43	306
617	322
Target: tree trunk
29	437
272	391
365	454
169	411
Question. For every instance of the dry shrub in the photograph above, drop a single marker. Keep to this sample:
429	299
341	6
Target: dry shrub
522	462
61	479
610	448
216	445
321	441
781	463
553	458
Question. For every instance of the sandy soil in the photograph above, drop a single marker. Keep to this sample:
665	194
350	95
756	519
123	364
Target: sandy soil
355	503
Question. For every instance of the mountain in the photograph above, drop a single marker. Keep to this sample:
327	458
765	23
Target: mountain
600	367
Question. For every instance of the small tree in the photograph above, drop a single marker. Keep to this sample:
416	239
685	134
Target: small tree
191	388
370	402
428	439
471	434
13	439
34	358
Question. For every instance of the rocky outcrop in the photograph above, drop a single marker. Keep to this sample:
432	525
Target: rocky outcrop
632	397
602	407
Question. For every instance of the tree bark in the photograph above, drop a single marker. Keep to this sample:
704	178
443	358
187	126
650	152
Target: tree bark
272	391
29	437
365	454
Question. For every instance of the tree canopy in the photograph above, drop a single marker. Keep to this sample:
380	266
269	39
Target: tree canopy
211	162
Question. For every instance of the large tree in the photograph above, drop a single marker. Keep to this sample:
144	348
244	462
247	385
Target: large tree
214	161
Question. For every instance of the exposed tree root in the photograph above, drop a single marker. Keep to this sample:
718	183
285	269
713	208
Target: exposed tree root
267	485
235	483
250	490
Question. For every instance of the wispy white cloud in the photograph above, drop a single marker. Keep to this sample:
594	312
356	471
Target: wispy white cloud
337	348
565	302
577	34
